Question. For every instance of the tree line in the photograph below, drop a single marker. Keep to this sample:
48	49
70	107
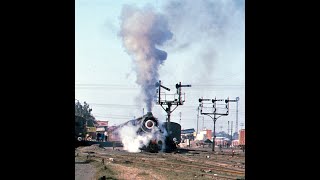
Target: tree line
83	118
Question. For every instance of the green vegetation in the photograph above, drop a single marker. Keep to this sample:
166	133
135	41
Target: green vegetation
83	118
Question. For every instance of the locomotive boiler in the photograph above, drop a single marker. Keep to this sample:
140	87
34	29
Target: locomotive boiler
165	135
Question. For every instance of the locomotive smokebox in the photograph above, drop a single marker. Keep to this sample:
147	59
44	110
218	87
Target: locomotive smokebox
149	122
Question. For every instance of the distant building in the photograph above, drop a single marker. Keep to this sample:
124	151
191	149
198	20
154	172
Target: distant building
221	141
102	128
113	134
187	134
102	125
204	135
235	143
187	131
242	137
208	133
235	135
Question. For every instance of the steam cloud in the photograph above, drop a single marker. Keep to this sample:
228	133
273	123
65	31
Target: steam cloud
141	31
132	142
210	34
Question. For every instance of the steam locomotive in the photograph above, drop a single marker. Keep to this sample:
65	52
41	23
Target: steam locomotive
167	135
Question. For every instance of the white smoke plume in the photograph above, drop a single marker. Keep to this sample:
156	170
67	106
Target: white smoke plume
142	30
132	142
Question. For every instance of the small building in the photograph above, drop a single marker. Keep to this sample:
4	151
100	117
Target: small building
187	131
208	133
102	125
187	134
242	137
204	134
235	143
102	128
113	133
223	141
91	133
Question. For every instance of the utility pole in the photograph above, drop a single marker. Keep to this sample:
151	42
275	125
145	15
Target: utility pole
231	131
214	118
214	130
180	117
197	120
236	129
202	123
228	129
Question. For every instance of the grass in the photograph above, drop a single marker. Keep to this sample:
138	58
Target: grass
110	172
101	169
104	170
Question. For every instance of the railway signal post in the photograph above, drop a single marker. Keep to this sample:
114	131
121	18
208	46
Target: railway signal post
214	113
175	101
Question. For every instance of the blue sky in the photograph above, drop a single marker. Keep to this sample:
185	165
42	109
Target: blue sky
207	51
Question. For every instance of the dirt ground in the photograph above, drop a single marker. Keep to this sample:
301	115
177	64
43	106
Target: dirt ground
84	171
187	163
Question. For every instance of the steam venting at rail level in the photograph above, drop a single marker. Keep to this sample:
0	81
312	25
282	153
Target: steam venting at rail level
143	132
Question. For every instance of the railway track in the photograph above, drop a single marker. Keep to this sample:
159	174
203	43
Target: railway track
178	163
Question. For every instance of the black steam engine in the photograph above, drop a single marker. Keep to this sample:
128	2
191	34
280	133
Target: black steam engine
168	133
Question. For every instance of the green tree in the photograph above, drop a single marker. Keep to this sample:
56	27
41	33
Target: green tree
83	118
83	111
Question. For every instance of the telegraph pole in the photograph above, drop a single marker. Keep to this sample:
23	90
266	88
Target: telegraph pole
214	131
228	133
228	128
214	118
202	123
236	129
197	120
231	131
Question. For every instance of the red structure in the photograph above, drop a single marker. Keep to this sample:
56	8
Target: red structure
242	137
209	134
